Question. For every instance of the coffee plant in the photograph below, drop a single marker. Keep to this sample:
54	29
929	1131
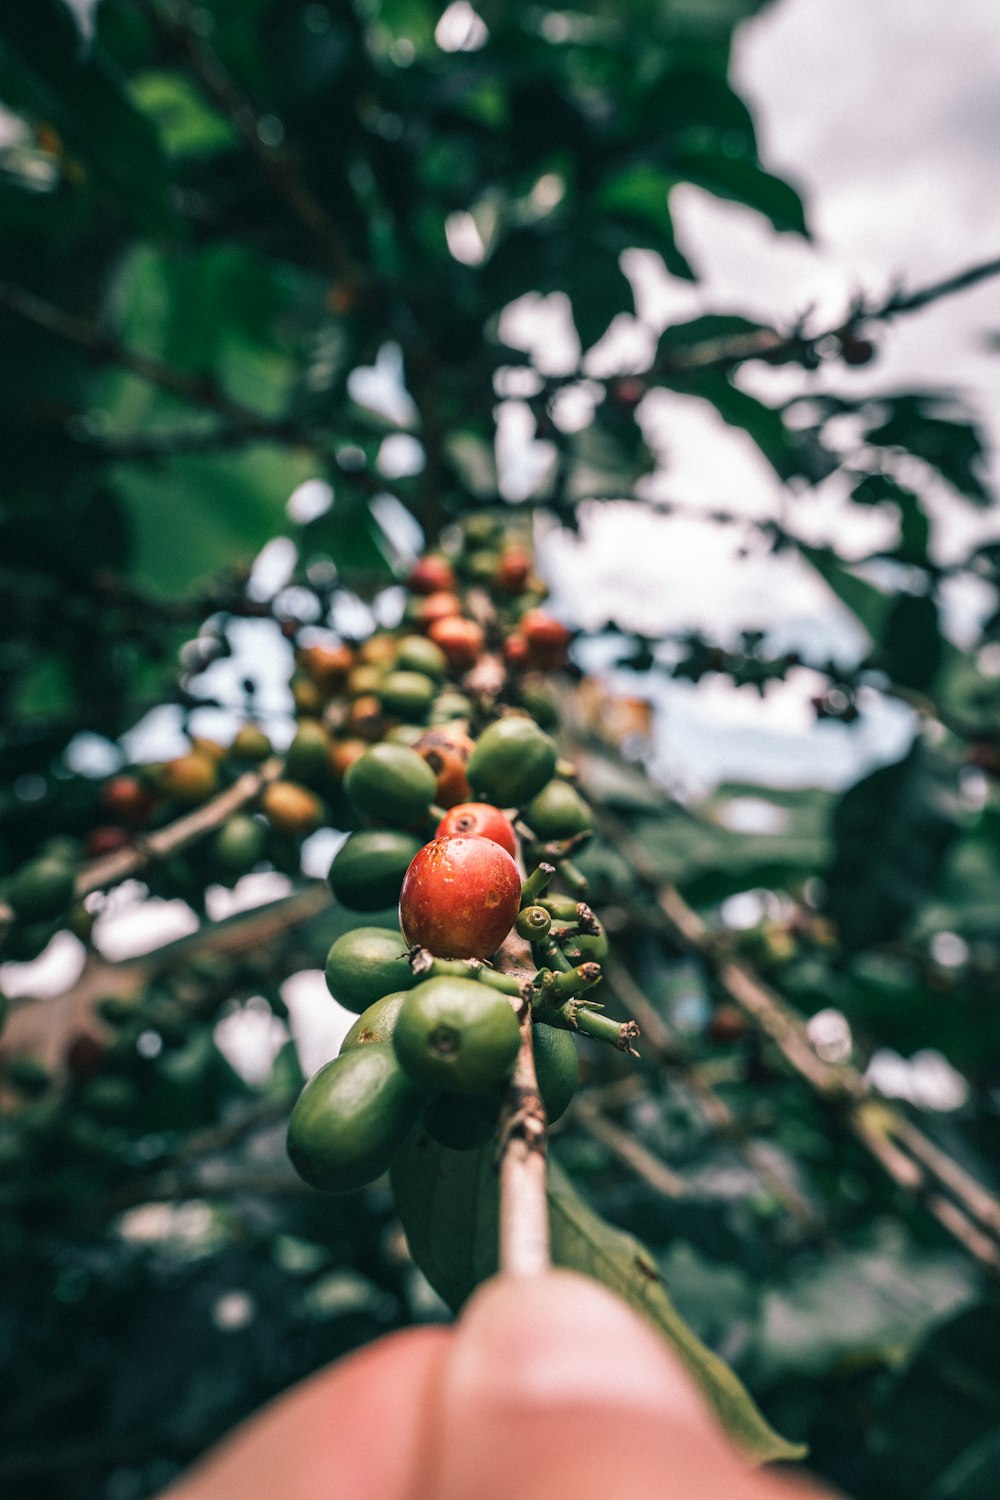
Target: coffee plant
278	663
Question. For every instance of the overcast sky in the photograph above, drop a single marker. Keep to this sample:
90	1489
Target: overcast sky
887	118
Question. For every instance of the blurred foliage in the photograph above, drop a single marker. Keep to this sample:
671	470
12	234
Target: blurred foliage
250	246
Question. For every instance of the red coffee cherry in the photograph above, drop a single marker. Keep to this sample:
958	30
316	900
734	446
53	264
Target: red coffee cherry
460	897
547	639
431	575
513	569
478	820
446	749
127	800
460	640
438	606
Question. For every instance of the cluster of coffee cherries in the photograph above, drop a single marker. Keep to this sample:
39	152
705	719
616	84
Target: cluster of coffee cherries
470	820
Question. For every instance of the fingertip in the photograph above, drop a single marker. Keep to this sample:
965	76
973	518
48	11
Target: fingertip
564	1338
357	1429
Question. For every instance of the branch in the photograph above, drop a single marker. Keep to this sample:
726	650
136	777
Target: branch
166	842
901	302
123	864
588	1114
667	1050
200	390
910	1158
522	1152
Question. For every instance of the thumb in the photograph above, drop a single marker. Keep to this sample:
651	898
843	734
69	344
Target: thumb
554	1388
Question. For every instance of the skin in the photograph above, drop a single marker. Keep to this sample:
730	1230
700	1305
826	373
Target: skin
547	1388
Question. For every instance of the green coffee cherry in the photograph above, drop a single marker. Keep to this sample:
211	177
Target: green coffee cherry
368	869
558	812
365	964
308	757
391	783
416	653
239	844
42	888
457	1035
557	1066
351	1118
408	695
511	761
376	1024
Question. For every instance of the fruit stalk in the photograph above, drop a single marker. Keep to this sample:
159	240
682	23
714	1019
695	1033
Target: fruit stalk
522	1150
522	1162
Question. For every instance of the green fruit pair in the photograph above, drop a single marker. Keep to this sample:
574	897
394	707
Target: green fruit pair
462	1123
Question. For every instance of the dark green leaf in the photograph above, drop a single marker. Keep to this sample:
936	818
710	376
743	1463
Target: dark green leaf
742	180
891	832
447	1201
935	428
45	72
869	604
911	649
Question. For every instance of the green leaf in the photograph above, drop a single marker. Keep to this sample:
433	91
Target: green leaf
743	181
891	832
185	123
873	1304
637	199
45	72
938	1435
936	428
911	649
867	603
194	515
448	1203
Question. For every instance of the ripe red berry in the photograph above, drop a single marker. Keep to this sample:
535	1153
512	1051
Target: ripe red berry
478	820
431	575
513	569
547	639
460	897
106	838
461	640
438	607
515	649
128	800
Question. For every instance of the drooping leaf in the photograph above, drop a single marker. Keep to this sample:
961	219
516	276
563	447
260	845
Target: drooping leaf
891	832
448	1203
937	429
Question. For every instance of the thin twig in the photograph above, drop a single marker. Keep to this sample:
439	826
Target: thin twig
622	1144
111	869
124	864
104	347
909	1157
662	1044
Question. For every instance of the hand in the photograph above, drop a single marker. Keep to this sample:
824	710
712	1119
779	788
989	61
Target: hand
545	1389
